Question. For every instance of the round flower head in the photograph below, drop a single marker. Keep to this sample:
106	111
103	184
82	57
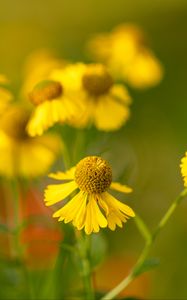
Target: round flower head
183	166
103	103
126	54
92	206
22	155
51	106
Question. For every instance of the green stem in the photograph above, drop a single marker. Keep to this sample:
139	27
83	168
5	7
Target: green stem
15	198
169	213
84	252
136	271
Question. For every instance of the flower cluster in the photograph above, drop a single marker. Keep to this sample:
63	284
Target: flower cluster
79	95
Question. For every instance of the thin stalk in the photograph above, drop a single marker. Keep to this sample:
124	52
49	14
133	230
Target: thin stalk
136	271
85	266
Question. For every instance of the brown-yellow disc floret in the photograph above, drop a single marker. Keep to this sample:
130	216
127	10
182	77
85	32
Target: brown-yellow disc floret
93	174
96	80
45	90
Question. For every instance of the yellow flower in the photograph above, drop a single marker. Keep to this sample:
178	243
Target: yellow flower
21	155
103	103
127	56
92	177
52	106
183	166
37	67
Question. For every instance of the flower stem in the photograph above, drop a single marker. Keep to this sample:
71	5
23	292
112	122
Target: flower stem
136	271
84	252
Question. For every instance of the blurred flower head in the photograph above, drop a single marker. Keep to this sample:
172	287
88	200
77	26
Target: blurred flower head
92	176
24	156
126	54
103	103
37	67
51	106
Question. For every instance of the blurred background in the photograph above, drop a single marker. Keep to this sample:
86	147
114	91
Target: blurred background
154	140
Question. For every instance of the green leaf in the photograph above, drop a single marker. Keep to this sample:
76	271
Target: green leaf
148	264
98	249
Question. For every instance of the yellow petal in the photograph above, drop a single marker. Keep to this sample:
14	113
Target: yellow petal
79	220
46	115
94	217
110	114
117	205
114	220
69	211
68	175
38	161
120	187
145	70
57	192
120	93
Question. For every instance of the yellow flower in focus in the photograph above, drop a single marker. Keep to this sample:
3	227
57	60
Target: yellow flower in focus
91	178
21	155
37	67
127	56
51	106
183	166
103	103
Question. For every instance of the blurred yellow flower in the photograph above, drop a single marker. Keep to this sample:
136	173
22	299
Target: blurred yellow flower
183	166
126	54
21	155
103	103
5	95
92	176
52	106
38	66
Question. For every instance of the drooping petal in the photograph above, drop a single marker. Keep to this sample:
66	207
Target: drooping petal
117	205
57	192
70	210
94	217
120	187
110	114
45	116
68	175
116	212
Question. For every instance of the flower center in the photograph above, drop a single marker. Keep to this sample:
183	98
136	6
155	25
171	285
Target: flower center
93	175
96	80
45	90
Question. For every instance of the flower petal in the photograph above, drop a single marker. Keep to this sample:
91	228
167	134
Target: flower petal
117	205
57	192
120	187
68	175
70	210
110	114
94	217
